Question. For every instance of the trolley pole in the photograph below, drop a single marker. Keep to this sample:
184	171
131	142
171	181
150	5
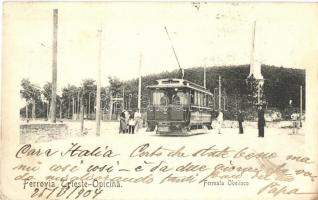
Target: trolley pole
301	105
220	94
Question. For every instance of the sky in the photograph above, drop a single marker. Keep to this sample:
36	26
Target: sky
133	34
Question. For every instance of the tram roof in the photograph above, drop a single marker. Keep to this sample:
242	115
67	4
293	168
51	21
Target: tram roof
179	83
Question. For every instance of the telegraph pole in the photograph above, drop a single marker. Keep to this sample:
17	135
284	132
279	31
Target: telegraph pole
82	114
220	94
54	67
78	105
26	110
204	76
224	102
301	105
98	83
61	105
258	94
139	84
73	106
123	102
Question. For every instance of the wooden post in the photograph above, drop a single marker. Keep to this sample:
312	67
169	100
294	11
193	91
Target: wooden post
78	109
204	76
89	106
26	110
73	106
110	106
139	84
301	105
224	102
61	105
69	108
220	94
47	109
33	108
54	67
82	115
123	102
258	94
98	92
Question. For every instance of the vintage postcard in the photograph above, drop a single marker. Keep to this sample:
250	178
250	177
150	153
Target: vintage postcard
159	100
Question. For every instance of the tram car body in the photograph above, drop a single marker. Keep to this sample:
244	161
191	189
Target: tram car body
179	107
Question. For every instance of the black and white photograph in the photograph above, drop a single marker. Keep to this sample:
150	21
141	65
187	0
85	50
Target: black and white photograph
130	99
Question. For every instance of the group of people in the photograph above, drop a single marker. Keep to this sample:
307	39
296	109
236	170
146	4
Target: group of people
130	122
240	119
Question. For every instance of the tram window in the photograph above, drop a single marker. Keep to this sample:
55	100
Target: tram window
156	97
164	100
210	102
183	97
176	99
201	99
191	96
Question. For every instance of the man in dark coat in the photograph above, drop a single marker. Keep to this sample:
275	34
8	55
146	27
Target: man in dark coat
240	119
261	122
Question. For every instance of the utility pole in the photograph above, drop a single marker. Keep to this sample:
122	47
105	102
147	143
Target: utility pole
73	106
110	105
220	94
129	99
78	105
69	107
301	105
61	104
98	92
82	114
139	84
54	67
204	76
258	94
89	105
123	102
26	110
224	102
48	110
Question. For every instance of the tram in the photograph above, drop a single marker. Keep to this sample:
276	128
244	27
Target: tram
179	108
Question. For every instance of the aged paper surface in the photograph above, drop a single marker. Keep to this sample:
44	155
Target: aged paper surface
67	160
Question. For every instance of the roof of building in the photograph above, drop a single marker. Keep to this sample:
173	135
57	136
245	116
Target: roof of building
179	83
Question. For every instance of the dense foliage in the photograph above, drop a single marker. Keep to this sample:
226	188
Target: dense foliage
281	85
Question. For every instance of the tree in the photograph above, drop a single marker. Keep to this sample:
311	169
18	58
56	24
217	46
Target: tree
30	92
47	93
69	94
115	86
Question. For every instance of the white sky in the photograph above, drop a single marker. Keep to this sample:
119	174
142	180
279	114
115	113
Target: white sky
217	34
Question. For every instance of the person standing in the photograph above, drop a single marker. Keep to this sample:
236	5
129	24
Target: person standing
294	118
138	120
126	120
240	119
261	121
131	123
220	122
122	125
